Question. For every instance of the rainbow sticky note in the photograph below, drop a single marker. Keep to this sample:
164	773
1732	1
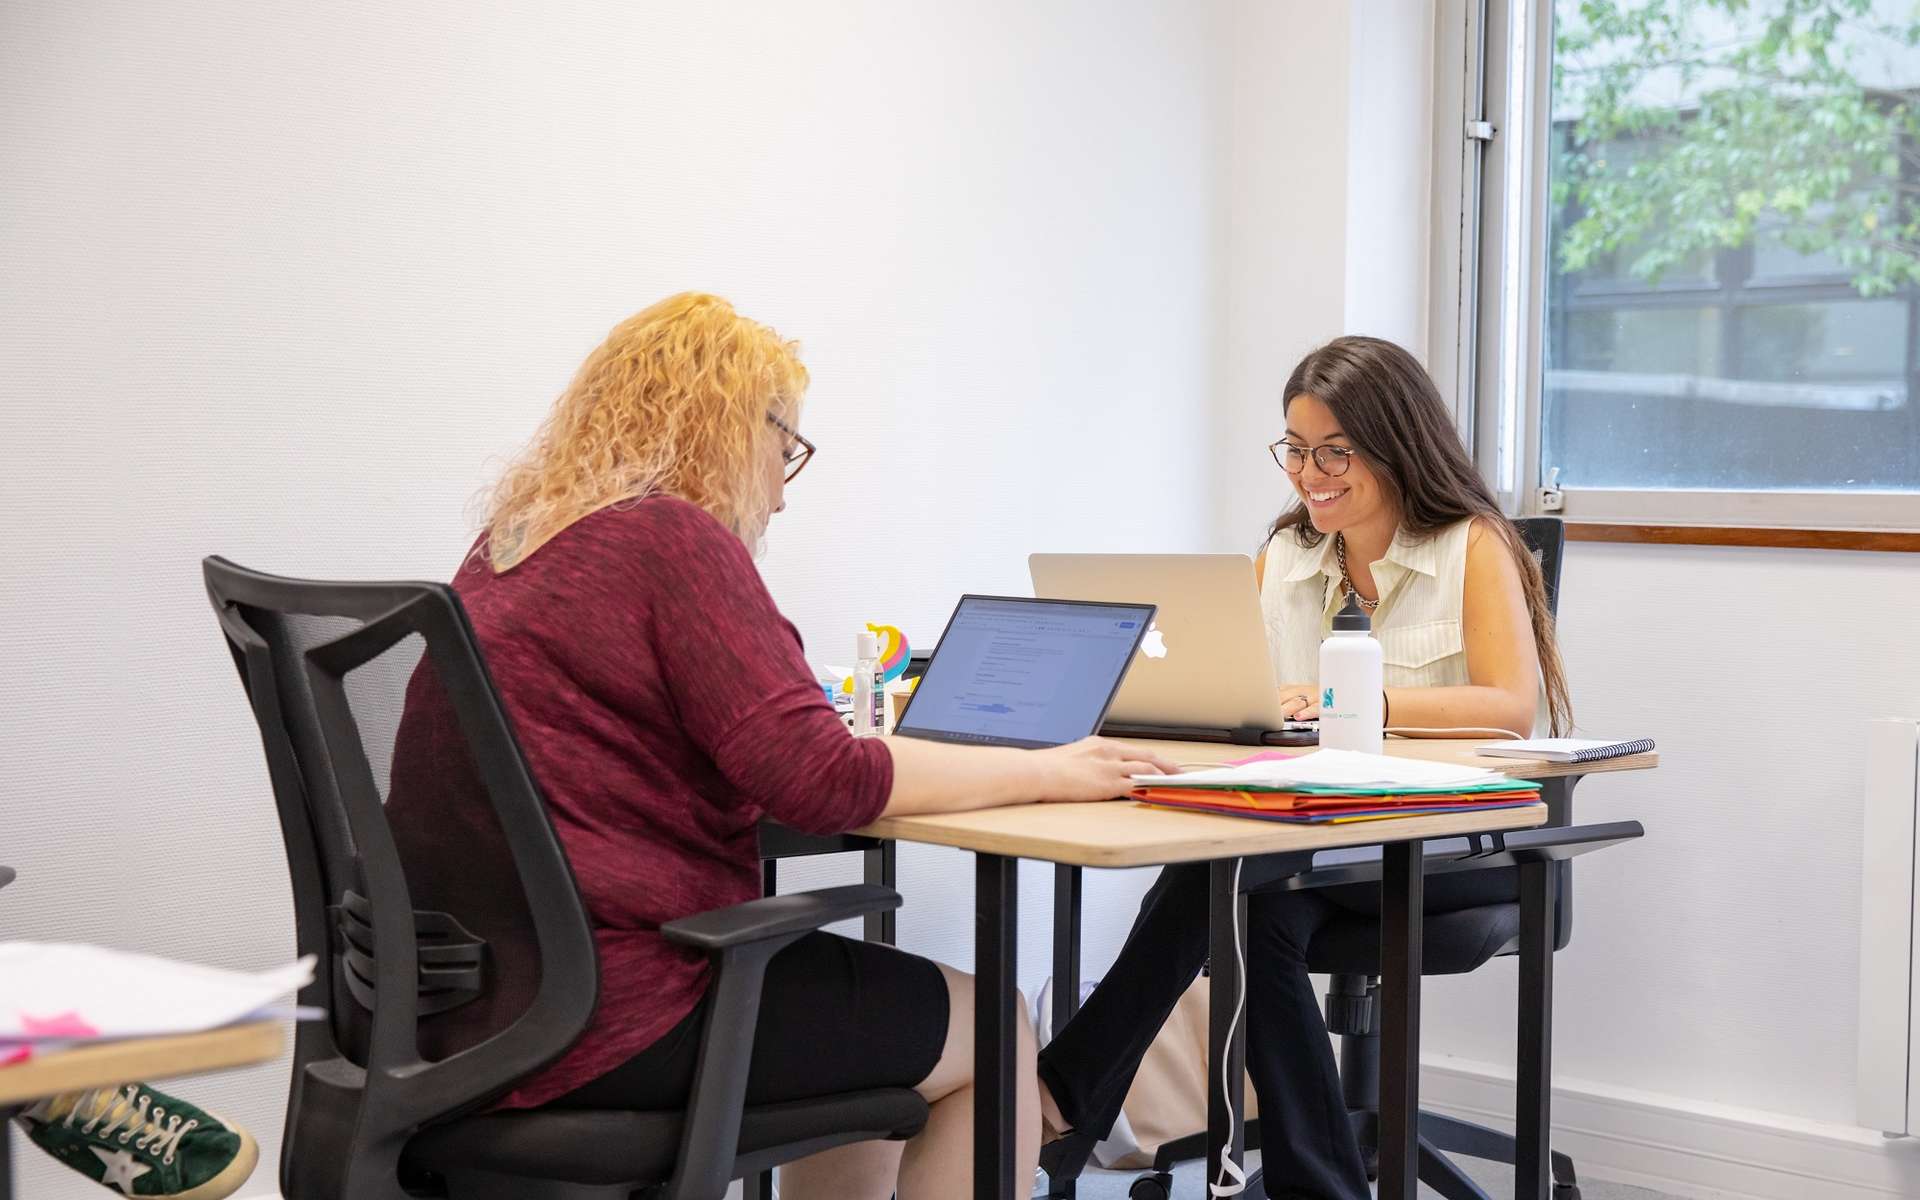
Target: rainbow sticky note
894	654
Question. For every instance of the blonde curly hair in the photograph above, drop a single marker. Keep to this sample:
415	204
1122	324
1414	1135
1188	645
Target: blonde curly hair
674	401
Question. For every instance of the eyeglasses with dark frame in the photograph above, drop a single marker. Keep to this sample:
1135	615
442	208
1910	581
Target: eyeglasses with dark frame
798	454
1292	457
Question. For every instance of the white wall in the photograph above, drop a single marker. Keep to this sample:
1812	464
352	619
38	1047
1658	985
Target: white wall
279	280
1285	260
1389	148
1717	959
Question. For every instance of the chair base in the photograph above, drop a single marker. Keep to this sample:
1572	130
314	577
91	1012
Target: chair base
1439	1137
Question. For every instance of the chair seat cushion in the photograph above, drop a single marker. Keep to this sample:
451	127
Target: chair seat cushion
1453	943
599	1147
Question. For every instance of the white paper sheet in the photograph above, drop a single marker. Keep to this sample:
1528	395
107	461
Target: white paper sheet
64	992
1329	768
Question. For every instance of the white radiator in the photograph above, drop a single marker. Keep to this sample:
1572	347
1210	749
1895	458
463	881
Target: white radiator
1889	1075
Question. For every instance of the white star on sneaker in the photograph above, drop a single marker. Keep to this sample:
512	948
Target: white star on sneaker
121	1169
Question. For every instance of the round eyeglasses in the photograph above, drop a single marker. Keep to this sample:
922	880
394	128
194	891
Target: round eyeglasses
1292	457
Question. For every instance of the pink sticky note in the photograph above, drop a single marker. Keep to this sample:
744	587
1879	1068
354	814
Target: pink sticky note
1266	756
65	1025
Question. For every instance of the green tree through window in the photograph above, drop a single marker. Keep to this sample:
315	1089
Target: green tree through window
1733	292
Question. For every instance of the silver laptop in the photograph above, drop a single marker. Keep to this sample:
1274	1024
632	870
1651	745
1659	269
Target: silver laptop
1203	671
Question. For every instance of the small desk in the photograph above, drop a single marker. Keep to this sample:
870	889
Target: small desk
112	1063
1125	834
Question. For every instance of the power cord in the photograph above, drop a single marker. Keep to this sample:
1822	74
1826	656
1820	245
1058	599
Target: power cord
1232	1179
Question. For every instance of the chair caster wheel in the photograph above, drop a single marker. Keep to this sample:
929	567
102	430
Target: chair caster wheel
1152	1187
1566	1191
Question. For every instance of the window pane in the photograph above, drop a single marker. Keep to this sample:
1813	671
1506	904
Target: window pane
1688	344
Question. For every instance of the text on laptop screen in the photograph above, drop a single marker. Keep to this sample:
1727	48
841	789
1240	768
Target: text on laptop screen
1025	672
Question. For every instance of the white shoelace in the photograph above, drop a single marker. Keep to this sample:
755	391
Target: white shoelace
149	1128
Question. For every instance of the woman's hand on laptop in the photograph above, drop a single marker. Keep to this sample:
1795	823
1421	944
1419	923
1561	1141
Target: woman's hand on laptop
1299	701
1098	768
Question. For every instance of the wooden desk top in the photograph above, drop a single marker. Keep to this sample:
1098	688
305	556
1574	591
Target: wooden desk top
1121	833
138	1060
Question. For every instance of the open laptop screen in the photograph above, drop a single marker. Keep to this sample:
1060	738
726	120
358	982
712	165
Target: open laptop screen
1016	672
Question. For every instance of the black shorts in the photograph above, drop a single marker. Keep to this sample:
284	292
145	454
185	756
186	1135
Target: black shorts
836	1015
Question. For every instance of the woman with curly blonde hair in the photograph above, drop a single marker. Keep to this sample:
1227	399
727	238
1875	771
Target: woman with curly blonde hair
665	708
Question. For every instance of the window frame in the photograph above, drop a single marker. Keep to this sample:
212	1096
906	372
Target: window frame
1487	324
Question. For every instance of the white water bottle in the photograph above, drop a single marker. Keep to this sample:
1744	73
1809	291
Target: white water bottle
1352	705
869	719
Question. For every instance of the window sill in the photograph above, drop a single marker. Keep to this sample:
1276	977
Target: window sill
1741	535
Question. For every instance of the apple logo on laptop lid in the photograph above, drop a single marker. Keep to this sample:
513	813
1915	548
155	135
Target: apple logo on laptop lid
1153	643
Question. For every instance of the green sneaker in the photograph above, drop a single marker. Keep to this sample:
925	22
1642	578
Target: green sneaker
143	1142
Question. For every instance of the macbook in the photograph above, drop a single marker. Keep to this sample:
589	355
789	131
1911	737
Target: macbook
1203	671
1010	671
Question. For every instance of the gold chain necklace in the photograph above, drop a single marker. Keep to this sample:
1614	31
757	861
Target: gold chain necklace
1346	580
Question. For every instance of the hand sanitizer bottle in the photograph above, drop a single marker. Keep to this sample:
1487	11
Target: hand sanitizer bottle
1352	705
869	717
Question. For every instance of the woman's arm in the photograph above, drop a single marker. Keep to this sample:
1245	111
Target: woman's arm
1502	663
931	777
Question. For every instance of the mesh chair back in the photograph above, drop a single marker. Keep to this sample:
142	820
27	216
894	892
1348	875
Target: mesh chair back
1546	537
412	827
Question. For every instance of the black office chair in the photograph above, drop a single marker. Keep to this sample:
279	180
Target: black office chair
1348	949
388	1094
1456	942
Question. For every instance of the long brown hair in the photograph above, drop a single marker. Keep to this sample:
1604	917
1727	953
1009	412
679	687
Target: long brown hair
1391	411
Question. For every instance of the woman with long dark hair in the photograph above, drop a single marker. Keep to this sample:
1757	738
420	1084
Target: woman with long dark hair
1388	509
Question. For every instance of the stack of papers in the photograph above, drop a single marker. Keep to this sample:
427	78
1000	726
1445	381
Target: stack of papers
1331	786
55	994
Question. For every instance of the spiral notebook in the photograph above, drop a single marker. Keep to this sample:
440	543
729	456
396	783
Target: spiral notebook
1567	750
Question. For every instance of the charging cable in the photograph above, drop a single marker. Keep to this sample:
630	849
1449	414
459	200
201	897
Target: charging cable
1232	1179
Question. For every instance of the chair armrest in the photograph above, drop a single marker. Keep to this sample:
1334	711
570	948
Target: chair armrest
741	940
1474	852
773	917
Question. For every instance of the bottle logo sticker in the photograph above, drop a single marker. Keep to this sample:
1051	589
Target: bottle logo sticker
1326	699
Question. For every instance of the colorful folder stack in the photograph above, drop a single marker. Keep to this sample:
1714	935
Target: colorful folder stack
1332	787
1315	806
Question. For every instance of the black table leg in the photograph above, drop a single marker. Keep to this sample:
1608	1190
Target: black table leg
1066	972
1534	1076
1066	944
879	863
996	960
1402	905
1226	1037
6	1152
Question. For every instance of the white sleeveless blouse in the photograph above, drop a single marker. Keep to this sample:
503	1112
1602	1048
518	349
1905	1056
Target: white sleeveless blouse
1422	587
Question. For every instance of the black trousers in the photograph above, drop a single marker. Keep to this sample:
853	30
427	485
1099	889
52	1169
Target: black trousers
1307	1144
836	1015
